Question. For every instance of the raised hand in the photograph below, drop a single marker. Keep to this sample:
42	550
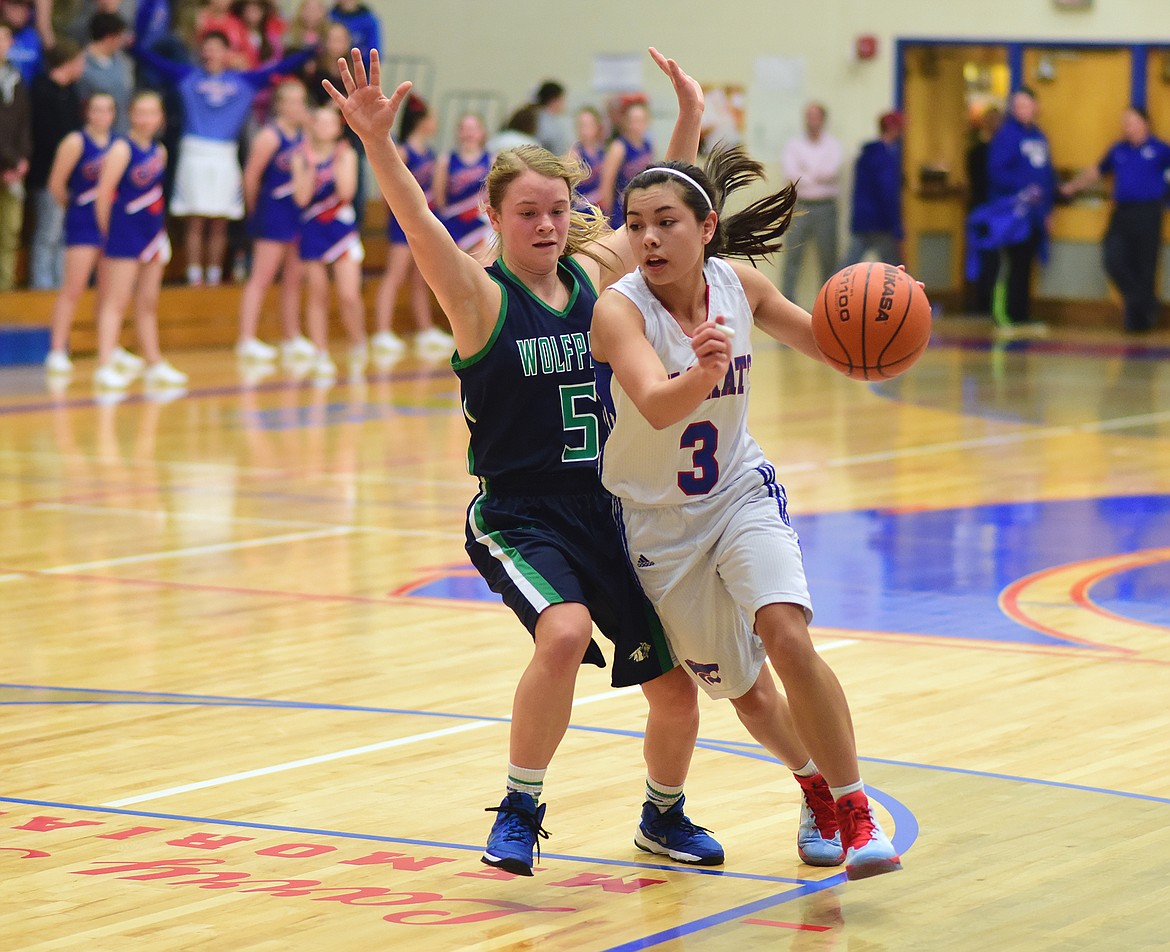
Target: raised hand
686	89
363	104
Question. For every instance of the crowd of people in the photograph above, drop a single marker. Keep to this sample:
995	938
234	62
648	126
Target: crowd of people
244	158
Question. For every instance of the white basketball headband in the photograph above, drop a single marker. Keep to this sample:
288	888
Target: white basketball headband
686	178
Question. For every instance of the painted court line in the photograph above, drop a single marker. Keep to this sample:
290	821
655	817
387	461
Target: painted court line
342	754
183	553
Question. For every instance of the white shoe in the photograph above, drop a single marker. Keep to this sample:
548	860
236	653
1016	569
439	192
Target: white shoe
358	355
433	339
110	378
163	374
324	368
127	362
297	349
387	344
58	362
252	371
255	350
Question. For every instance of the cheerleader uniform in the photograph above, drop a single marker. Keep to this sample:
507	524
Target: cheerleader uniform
329	225
462	217
422	167
81	226
590	188
638	159
136	218
277	216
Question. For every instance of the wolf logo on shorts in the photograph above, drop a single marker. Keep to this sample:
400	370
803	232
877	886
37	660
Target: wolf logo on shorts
707	673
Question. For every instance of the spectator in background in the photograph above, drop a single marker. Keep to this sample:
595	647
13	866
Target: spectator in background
208	180
980	294
553	130
630	152
307	27
107	66
812	162
1139	164
264	31
15	148
589	150
27	49
876	221
364	27
78	28
520	129
1019	172
216	17
56	111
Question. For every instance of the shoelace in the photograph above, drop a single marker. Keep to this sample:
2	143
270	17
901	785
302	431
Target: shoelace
527	820
680	821
823	809
858	824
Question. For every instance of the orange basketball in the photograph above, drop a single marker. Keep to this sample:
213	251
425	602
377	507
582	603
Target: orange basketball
871	321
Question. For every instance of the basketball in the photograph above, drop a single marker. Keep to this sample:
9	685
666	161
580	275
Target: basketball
871	321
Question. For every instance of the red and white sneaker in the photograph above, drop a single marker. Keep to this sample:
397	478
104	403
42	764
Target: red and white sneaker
818	838
868	851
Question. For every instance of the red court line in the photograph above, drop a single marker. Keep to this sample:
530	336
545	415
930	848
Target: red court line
1010	599
787	925
1080	591
267	592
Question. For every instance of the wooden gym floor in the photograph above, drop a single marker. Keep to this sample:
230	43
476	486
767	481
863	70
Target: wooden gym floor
255	699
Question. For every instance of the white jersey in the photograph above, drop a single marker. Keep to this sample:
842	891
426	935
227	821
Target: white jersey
706	452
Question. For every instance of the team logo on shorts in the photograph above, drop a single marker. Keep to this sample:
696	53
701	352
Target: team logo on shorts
643	562
641	653
707	673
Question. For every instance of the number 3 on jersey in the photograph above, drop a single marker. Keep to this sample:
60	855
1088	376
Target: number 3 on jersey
579	412
702	439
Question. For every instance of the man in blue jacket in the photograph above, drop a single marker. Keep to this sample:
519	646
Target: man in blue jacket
1019	167
876	222
1139	164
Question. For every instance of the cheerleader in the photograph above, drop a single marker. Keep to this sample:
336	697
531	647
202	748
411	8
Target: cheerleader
274	223
73	182
630	153
324	179
459	178
416	132
129	211
589	150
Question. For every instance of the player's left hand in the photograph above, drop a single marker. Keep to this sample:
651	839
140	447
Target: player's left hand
686	89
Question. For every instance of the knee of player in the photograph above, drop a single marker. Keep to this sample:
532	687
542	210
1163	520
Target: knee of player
674	695
563	633
784	631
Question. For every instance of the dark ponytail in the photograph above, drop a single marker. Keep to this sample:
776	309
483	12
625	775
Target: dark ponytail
753	232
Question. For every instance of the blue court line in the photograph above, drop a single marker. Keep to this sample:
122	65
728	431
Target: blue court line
728	915
399	840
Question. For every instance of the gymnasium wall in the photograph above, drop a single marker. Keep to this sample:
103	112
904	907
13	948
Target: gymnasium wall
512	45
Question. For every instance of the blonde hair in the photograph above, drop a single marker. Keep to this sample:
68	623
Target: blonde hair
587	222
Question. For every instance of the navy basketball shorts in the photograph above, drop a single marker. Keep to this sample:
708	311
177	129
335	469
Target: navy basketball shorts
538	551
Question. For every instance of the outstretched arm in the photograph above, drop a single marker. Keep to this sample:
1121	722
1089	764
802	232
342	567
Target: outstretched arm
774	314
469	298
684	147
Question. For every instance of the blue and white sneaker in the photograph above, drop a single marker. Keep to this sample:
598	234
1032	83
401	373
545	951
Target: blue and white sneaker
868	851
818	838
672	834
514	834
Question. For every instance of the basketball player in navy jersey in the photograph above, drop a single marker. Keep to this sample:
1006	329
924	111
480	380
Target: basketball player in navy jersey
541	530
704	517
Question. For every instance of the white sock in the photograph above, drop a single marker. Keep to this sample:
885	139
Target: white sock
662	795
214	274
808	770
194	274
839	792
526	780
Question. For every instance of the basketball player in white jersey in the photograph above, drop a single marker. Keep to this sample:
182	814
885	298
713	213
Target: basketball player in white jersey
706	522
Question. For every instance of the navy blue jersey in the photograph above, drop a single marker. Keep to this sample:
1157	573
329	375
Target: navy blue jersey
529	396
